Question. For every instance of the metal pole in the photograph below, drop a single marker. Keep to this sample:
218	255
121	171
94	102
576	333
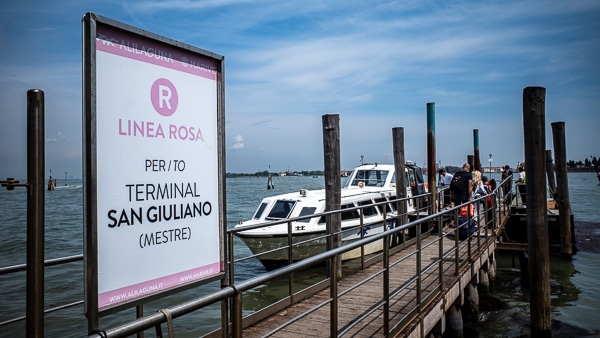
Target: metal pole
35	213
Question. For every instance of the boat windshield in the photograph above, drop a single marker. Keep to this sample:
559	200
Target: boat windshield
281	209
260	210
370	178
305	212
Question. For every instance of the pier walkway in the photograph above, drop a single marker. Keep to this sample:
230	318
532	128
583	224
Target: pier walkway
406	295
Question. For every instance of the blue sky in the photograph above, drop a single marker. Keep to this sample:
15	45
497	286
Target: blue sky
375	63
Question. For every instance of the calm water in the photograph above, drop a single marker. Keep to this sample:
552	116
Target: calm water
575	284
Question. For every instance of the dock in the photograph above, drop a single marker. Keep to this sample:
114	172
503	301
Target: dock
409	296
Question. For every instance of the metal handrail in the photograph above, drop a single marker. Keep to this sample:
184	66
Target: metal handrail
234	291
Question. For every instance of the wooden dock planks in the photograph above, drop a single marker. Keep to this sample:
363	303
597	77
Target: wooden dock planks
353	305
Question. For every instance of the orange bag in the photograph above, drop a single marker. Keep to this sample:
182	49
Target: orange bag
464	211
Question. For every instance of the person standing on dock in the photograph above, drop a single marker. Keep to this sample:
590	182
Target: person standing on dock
522	179
507	186
461	185
445	180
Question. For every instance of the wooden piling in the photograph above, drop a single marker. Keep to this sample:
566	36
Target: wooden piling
431	155
550	174
564	203
476	159
333	182
537	213
399	164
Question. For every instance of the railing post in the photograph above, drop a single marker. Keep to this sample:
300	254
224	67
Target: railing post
237	315
333	294
418	268
35	213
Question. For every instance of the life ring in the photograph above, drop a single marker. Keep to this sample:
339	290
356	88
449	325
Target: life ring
361	184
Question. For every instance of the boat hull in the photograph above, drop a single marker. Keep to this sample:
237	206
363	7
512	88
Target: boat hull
272	250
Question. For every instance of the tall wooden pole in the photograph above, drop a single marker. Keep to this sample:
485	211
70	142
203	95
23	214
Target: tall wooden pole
35	212
399	164
476	158
537	217
333	182
431	154
564	203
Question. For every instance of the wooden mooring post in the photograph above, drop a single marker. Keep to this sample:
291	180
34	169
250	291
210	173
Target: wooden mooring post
564	203
476	159
537	211
399	164
333	183
431	154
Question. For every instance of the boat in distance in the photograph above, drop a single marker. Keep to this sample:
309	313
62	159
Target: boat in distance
365	193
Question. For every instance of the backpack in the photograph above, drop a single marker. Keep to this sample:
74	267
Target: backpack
459	183
467	211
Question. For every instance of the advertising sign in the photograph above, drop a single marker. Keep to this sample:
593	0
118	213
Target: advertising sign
153	165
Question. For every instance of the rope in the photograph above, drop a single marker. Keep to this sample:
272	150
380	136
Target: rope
169	317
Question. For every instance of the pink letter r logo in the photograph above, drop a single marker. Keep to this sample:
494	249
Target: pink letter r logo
164	97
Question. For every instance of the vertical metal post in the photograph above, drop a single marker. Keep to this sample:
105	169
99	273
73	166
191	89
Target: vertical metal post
35	213
431	154
236	318
537	216
139	313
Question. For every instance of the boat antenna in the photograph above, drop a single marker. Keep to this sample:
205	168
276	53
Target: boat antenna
361	159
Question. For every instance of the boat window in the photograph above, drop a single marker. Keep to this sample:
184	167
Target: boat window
368	209
281	209
372	178
305	212
350	214
419	175
410	179
260	210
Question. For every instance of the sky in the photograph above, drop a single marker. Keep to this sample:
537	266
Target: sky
287	63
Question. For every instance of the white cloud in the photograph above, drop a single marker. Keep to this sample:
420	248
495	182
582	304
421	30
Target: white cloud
238	142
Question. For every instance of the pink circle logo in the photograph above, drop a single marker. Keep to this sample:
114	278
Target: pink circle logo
164	97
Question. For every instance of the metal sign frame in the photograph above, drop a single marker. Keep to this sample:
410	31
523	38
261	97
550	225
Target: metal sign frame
186	62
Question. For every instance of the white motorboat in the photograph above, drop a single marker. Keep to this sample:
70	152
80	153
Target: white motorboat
367	185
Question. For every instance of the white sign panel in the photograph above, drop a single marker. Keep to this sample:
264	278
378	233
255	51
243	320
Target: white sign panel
157	165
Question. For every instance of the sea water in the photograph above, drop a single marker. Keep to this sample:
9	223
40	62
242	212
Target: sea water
575	287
